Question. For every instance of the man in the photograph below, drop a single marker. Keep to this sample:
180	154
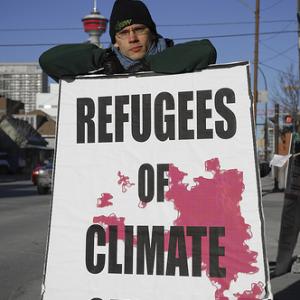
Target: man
136	46
290	217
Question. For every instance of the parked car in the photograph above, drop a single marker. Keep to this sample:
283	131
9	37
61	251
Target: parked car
36	169
35	173
44	179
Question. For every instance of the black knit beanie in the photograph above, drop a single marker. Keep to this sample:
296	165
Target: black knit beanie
128	12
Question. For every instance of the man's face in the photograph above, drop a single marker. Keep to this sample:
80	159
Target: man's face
134	41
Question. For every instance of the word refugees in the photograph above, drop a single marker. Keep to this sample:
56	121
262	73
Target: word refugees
106	120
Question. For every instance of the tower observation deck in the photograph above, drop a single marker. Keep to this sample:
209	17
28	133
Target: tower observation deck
95	25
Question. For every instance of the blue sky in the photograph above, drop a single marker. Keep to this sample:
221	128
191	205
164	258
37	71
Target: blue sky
211	18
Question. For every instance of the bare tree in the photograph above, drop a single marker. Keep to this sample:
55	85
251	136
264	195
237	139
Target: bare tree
287	93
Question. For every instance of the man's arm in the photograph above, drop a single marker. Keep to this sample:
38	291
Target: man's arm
71	60
186	57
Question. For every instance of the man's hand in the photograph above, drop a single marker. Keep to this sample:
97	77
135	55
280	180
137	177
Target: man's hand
139	67
111	64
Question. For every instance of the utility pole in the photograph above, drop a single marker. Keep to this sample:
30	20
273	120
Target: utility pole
255	93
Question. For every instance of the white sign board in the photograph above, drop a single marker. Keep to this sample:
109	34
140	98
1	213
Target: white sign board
279	160
156	193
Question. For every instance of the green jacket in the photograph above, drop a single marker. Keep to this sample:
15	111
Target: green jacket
81	59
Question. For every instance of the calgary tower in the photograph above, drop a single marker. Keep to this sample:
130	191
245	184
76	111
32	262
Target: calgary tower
95	25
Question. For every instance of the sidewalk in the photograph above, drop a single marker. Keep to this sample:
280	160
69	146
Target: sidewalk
287	286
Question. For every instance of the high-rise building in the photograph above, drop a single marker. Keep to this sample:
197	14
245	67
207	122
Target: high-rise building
48	102
21	82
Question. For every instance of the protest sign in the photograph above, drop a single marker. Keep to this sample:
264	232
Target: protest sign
156	190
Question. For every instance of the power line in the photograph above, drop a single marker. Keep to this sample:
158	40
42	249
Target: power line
41	29
227	23
246	5
279	53
175	39
264	9
236	35
283	29
161	25
271	6
274	69
28	45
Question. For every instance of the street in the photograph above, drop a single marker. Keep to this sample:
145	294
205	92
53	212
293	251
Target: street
24	217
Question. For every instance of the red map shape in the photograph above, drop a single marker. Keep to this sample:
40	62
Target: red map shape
210	202
256	290
103	201
215	202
